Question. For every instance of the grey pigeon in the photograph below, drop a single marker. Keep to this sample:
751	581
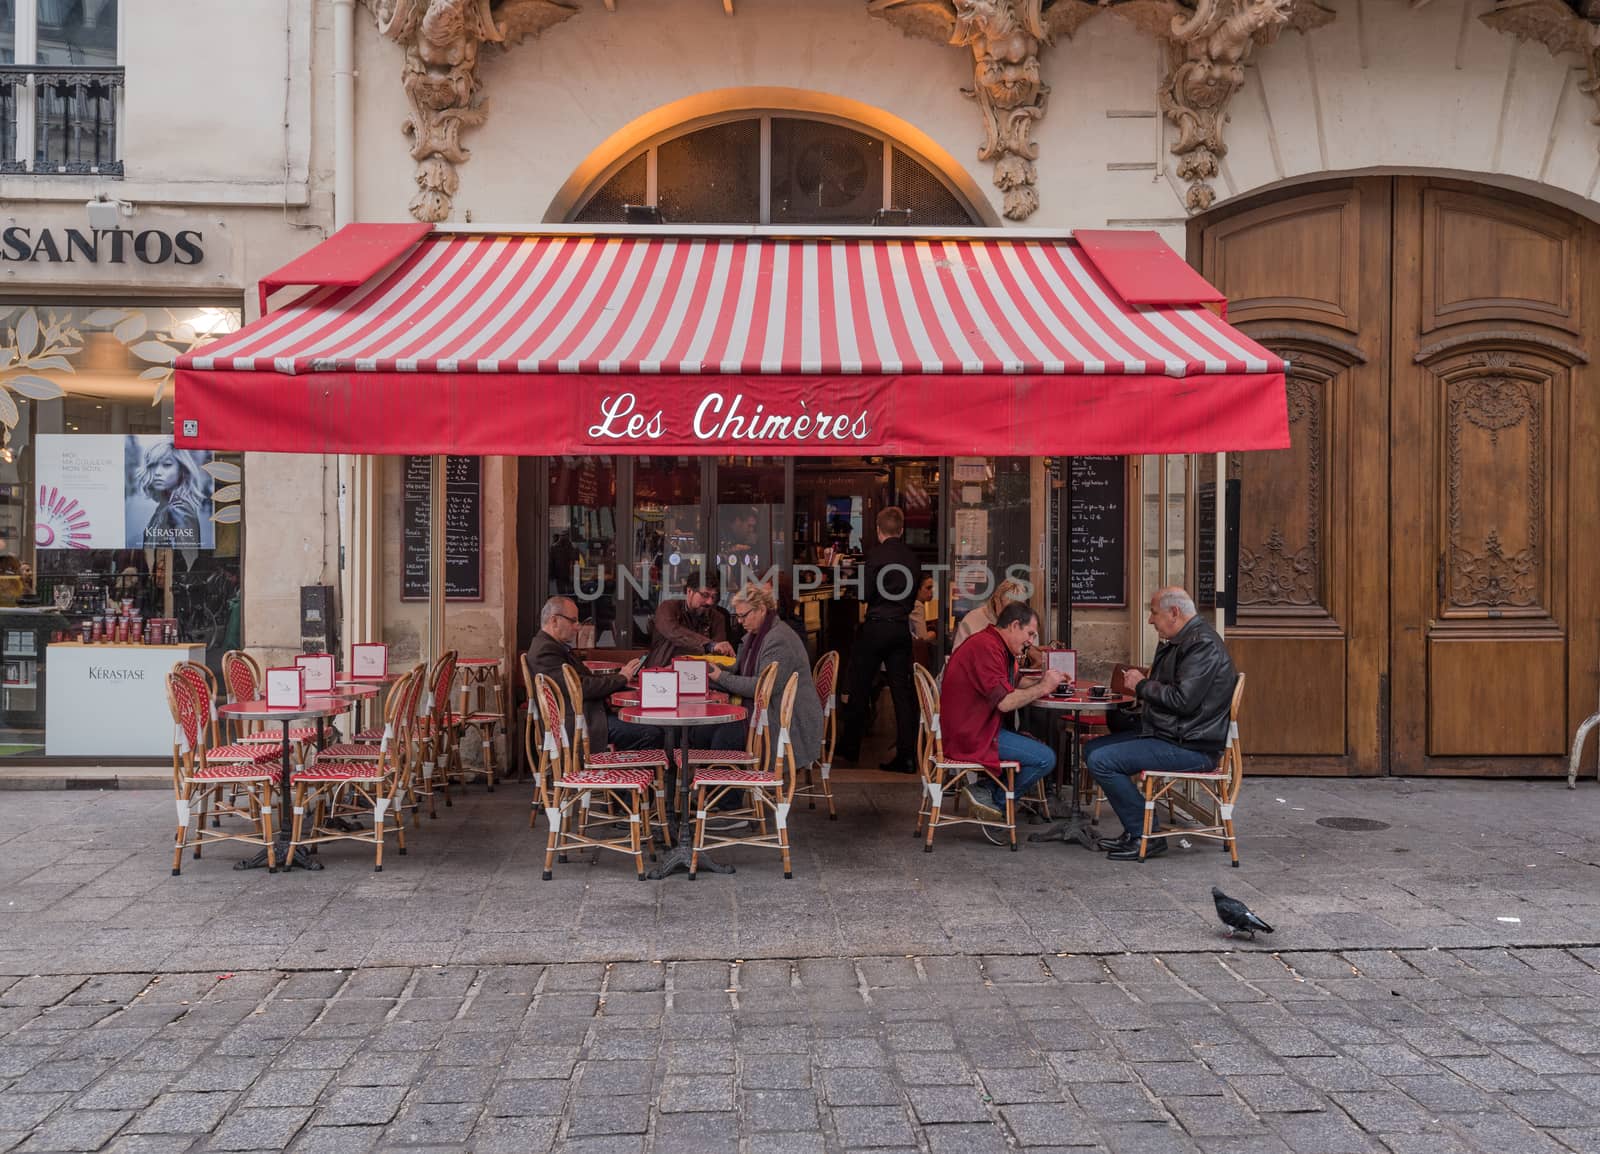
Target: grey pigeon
1237	916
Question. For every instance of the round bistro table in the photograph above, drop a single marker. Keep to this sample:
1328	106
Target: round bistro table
1074	827
690	713
315	708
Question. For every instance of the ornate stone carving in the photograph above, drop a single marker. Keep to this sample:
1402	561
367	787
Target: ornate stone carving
1207	47
1488	576
1006	37
442	40
1560	29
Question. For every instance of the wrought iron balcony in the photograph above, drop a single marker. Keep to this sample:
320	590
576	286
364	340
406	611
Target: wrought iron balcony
68	116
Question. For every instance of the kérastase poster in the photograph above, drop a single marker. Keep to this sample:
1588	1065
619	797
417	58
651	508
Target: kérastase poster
116	491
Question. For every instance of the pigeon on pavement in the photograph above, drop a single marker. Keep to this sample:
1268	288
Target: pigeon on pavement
1237	916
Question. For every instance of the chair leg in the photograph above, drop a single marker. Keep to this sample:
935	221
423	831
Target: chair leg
1232	842
488	757
935	795
827	790
811	801
184	817
1149	813
264	816
637	811
1011	808
552	843
299	815
783	837
699	842
661	812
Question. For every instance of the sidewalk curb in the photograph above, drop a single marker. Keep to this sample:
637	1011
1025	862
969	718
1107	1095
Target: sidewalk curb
14	778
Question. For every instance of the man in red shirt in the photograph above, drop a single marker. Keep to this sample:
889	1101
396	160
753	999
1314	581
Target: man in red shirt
977	688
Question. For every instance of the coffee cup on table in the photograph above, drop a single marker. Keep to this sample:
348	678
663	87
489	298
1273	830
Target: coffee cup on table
1098	690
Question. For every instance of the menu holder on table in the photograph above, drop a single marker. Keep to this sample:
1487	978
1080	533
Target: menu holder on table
1065	660
369	660
658	688
691	676
286	687
318	668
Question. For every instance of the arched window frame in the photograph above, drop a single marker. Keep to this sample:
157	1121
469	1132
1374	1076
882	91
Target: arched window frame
765	116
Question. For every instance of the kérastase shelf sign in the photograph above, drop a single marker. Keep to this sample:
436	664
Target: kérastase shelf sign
21	244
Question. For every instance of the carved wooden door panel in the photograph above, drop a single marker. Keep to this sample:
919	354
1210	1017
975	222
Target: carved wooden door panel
1493	590
1308	276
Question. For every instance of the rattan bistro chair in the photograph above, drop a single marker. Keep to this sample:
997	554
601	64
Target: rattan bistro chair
343	783
585	757
532	739
571	786
241	673
940	775
436	735
210	778
825	678
1206	798
768	786
487	721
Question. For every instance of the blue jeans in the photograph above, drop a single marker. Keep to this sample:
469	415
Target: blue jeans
1116	757
1034	760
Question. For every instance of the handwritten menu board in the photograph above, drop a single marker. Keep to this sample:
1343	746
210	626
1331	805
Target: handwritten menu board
1099	529
463	529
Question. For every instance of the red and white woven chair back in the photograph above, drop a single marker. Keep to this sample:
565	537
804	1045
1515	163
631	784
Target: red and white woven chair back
783	752
553	748
242	676
188	714
825	676
581	739
437	703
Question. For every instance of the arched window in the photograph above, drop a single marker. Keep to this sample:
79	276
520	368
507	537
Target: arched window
782	169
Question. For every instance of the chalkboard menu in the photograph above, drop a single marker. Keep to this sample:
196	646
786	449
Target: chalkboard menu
1099	555
463	529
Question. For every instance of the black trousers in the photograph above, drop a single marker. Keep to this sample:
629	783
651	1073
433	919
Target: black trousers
885	643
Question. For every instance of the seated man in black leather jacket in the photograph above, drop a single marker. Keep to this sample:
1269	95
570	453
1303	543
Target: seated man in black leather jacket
1184	723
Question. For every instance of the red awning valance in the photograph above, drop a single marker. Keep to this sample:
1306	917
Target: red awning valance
649	343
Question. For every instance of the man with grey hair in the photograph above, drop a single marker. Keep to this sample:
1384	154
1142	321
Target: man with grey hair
552	649
1183	725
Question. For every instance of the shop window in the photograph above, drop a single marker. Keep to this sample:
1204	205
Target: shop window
991	529
119	553
60	87
583	542
669	534
816	171
707	177
824	173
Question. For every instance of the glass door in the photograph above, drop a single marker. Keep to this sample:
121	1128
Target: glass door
669	534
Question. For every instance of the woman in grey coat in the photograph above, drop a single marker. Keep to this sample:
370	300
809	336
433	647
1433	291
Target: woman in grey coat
767	639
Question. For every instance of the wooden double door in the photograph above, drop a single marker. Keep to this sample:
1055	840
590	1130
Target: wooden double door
1417	573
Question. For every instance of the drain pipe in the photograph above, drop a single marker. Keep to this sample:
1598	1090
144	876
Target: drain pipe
344	188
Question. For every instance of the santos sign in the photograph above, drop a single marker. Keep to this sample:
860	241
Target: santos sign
151	246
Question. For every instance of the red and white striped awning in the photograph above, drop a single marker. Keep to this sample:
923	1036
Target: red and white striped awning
483	343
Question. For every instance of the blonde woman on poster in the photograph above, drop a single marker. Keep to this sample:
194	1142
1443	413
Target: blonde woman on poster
168	495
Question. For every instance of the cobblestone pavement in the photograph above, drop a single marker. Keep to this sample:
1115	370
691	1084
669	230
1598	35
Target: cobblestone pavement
85	886
1414	1052
1433	986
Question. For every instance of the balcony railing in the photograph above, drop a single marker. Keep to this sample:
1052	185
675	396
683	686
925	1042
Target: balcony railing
59	120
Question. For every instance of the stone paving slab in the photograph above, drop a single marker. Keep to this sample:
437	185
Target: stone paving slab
85	887
1124	1053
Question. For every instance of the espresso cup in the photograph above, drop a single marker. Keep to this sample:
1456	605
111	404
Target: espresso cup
1097	691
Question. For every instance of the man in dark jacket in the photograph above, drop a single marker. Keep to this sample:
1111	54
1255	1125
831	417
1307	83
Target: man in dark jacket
1184	723
552	648
690	625
890	576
